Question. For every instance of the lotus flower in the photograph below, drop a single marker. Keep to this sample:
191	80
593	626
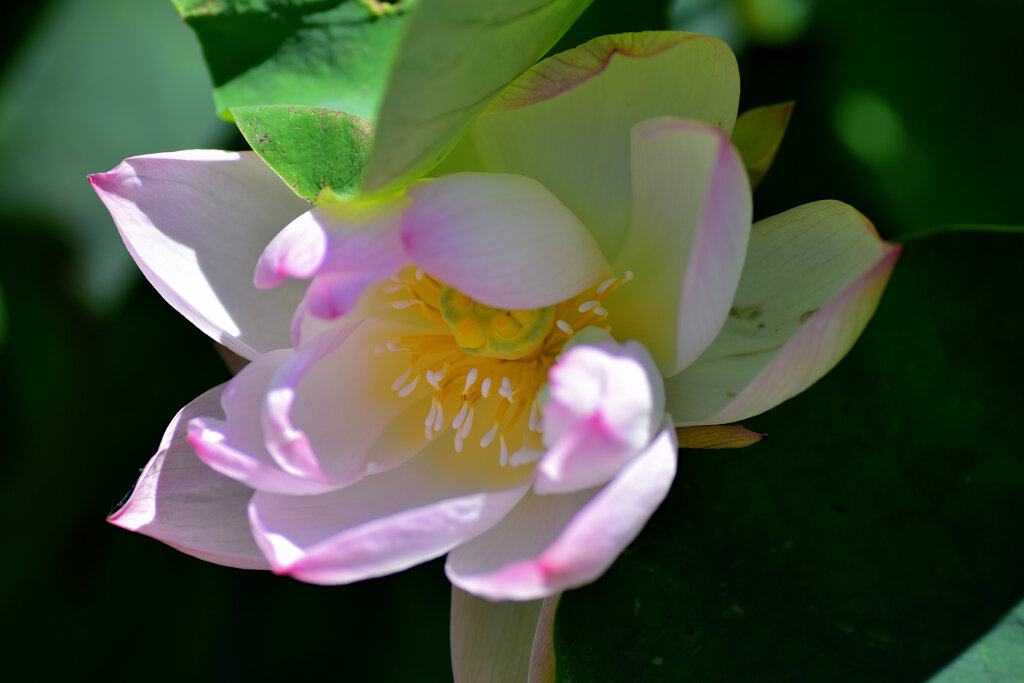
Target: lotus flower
491	362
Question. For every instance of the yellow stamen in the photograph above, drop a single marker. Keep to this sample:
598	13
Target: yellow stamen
480	353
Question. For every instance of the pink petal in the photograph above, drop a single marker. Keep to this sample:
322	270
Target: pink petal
604	406
297	251
551	543
234	446
344	247
817	348
389	521
351	237
331	401
333	295
185	504
501	239
502	641
195	222
686	242
812	280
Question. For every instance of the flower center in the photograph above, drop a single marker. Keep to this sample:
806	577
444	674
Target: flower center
482	330
486	360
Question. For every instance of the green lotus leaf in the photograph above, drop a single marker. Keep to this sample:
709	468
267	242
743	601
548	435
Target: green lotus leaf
318	152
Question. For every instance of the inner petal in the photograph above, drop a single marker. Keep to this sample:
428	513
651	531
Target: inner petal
329	406
502	239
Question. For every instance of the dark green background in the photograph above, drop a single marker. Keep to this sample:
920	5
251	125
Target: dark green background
873	537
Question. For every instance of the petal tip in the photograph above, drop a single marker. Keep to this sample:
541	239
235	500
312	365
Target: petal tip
104	184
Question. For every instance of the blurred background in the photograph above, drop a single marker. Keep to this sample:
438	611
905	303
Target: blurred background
897	482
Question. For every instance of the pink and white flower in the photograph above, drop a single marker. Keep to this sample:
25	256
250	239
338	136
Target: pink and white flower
492	363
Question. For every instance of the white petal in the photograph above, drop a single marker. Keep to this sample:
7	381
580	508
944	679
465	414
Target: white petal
686	242
185	504
195	222
389	521
234	446
551	543
495	642
566	122
812	280
331	401
604	405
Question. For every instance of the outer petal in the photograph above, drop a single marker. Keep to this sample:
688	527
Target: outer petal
604	405
757	136
687	241
316	419
390	521
495	642
551	543
566	122
195	222
502	239
185	504
813	277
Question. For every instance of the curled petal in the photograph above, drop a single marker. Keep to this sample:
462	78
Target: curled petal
551	543
297	251
347	237
604	405
389	521
344	248
234	446
686	242
195	222
502	239
812	279
566	121
332	400
185	504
